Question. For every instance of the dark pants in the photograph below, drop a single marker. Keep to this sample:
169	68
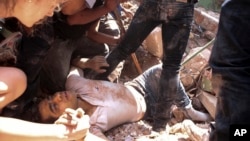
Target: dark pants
175	19
56	65
31	54
230	62
148	85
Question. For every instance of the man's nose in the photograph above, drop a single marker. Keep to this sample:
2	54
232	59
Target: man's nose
58	98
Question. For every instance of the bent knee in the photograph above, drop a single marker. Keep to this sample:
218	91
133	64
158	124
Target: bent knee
14	79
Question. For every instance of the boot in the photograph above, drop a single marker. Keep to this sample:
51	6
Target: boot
195	115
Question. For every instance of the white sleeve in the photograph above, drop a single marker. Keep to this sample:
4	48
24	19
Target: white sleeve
75	71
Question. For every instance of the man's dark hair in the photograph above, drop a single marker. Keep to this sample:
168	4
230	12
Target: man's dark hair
31	112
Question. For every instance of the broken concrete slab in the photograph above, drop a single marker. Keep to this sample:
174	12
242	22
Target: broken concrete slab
191	70
205	20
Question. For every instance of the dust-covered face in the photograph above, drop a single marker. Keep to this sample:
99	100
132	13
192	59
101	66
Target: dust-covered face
31	11
53	107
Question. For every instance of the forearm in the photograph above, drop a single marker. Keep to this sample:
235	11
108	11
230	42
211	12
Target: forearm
15	129
87	15
103	38
80	62
100	37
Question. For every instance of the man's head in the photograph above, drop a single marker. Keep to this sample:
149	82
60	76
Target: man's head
30	12
53	107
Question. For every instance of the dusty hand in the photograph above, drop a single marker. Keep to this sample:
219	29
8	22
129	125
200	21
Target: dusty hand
188	127
76	122
97	63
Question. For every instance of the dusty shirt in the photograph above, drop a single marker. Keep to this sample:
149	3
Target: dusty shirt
116	103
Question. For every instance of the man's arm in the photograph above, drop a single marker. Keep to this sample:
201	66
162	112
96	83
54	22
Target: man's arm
65	129
89	15
14	129
100	37
97	63
75	71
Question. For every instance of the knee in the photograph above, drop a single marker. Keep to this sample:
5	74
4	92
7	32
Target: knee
21	80
14	79
13	83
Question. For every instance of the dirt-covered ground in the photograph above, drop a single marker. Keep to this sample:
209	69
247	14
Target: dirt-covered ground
177	129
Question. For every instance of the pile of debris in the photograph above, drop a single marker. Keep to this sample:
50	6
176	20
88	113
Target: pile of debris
195	76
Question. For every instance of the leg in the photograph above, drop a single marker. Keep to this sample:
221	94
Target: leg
31	54
13	82
141	25
175	35
230	64
88	48
148	84
56	66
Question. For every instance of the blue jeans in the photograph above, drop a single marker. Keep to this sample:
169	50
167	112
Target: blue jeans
148	85
230	62
175	19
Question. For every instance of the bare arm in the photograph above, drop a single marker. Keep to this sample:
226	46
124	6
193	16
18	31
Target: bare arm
88	15
68	129
100	37
96	63
14	129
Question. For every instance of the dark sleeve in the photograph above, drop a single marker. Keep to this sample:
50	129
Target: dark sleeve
98	3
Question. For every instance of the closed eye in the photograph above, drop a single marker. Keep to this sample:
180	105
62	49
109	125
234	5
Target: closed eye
52	106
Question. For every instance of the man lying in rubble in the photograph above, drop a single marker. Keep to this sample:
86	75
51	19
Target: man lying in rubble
110	104
40	45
